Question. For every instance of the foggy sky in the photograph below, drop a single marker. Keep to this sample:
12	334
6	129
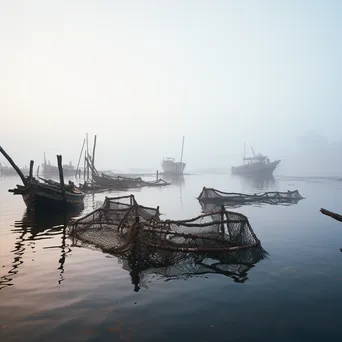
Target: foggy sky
141	74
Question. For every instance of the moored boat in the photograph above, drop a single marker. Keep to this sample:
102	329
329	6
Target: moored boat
256	165
49	195
170	166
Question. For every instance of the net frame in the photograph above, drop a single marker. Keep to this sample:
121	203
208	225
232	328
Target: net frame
214	196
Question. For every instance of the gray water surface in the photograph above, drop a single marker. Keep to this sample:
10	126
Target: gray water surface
51	290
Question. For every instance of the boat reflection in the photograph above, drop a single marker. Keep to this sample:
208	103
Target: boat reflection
174	179
232	265
260	182
36	226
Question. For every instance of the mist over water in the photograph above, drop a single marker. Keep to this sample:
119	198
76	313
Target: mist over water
140	75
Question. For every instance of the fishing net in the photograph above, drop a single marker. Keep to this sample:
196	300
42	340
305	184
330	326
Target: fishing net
213	196
235	265
127	228
108	227
221	242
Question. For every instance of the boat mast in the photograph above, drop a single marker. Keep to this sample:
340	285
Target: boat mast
182	150
244	152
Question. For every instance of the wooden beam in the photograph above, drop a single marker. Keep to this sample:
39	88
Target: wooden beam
331	214
15	167
31	169
61	176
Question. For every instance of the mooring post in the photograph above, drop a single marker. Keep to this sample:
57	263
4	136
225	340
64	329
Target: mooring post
157	175
38	171
61	176
31	169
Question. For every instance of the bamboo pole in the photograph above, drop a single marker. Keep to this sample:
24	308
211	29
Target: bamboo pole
15	167
94	147
79	159
31	169
84	166
61	176
87	155
181	160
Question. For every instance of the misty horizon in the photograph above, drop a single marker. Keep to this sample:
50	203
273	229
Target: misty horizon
142	75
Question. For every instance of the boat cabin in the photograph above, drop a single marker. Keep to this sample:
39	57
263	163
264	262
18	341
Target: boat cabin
258	159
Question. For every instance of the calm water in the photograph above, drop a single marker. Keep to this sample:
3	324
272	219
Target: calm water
53	291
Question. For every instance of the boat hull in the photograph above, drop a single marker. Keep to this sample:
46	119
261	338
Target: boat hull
171	167
44	197
118	183
258	168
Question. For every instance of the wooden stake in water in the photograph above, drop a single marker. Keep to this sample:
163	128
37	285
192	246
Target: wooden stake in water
31	169
61	176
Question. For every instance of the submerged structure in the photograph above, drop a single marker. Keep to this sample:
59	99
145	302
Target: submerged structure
217	197
256	165
124	228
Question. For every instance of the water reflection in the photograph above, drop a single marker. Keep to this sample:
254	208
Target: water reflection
38	226
258	182
174	179
232	265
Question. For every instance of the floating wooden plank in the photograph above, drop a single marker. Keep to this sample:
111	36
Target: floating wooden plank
331	214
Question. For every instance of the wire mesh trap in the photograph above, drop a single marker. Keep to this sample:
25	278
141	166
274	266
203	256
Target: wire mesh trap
217	197
123	227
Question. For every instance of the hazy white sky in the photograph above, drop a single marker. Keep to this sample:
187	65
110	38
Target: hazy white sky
141	74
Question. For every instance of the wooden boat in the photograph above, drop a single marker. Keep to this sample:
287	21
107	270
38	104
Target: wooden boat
49	195
120	182
170	166
46	194
256	165
117	182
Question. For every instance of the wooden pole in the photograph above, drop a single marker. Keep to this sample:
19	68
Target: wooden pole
31	169
87	155
84	166
94	147
157	175
38	171
331	214
15	167
93	170
79	159
182	150
61	176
